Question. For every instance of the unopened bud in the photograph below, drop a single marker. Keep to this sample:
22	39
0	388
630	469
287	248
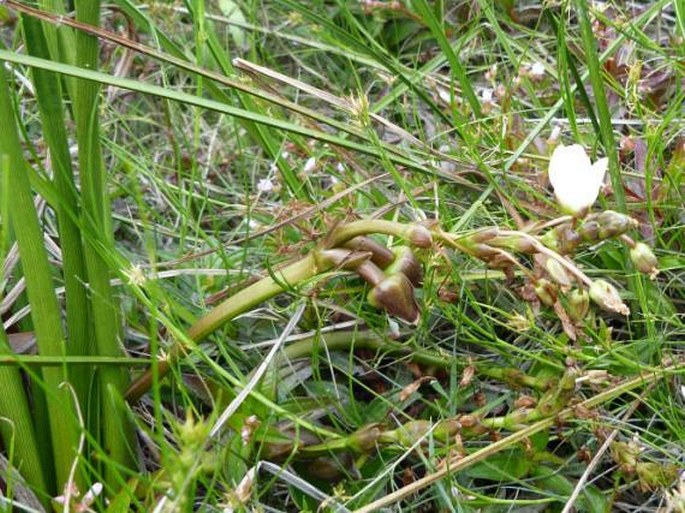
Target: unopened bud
557	272
326	468
477	244
606	296
483	251
613	224
578	304
445	429
419	236
546	292
643	258
395	295
597	377
625	454
562	239
483	235
405	262
411	433
589	232
341	258
515	243
364	439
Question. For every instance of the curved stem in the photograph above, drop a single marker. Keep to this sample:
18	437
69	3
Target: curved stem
266	288
348	231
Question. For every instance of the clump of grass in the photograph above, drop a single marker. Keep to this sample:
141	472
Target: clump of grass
337	258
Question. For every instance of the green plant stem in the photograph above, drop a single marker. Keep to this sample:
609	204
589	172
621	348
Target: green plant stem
366	339
288	277
117	434
348	231
515	438
246	299
49	97
16	425
40	288
8	360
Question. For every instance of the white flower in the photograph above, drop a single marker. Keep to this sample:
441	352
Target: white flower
265	185
92	494
309	165
445	95
537	70
575	179
487	95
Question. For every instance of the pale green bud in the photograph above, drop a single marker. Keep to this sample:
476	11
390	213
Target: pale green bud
606	296
557	272
578	304
643	258
546	292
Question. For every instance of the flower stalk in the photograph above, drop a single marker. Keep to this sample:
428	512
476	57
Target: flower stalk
390	293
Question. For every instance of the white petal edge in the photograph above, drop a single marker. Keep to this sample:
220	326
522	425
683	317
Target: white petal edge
599	169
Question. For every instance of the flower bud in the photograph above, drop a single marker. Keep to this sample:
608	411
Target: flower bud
644	259
589	232
613	224
341	258
419	236
557	272
562	239
483	235
395	295
410	433
606	296
546	292
483	251
625	454
405	262
578	304
364	439
515	243
327	468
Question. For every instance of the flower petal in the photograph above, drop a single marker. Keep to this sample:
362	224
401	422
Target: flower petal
566	161
575	179
599	169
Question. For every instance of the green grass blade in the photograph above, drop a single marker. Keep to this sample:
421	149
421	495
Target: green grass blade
49	97
211	105
117	436
39	284
606	129
458	69
16	424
